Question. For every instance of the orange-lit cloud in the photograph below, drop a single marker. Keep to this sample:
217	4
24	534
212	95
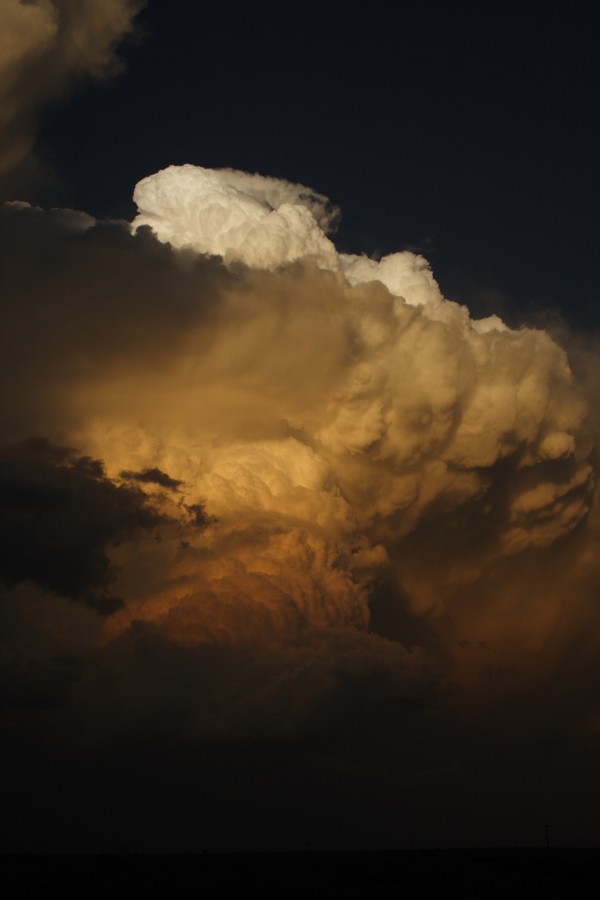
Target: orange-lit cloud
325	444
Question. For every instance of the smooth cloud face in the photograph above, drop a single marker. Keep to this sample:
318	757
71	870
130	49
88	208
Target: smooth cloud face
44	46
336	464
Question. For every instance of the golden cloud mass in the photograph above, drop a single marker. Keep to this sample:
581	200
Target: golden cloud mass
326	429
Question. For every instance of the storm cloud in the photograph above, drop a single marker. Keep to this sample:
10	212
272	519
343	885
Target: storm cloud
376	513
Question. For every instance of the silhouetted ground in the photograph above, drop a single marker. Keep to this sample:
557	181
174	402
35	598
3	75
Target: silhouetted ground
489	872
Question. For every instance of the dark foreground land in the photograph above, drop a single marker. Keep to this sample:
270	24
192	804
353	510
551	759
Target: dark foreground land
477	872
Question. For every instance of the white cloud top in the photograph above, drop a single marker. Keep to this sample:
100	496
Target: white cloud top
262	222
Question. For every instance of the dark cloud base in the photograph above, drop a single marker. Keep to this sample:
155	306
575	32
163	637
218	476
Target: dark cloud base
113	748
58	515
170	796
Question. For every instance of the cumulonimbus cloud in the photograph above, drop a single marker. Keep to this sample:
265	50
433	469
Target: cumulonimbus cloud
351	437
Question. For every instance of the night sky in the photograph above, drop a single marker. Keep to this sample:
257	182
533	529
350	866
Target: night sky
466	132
299	548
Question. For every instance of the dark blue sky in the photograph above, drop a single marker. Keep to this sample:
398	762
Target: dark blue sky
468	132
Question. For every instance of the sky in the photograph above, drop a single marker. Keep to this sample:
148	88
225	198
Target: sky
298	454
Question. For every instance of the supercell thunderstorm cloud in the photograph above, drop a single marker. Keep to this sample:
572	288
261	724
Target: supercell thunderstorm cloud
259	494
